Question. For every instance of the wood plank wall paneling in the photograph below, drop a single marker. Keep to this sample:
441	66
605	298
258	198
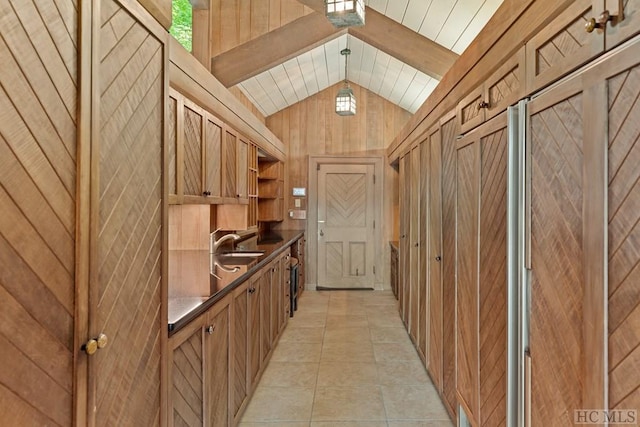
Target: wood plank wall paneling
239	21
131	82
38	92
312	127
624	245
235	91
449	132
493	279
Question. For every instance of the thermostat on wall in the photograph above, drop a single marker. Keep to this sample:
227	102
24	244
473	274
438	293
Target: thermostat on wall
299	191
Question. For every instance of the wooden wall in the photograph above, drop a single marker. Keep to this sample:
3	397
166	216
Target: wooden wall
237	21
235	91
312	127
38	92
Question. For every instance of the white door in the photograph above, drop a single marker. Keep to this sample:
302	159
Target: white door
346	226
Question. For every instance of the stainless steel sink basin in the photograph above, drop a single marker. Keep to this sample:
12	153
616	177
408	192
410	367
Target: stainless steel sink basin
236	257
241	254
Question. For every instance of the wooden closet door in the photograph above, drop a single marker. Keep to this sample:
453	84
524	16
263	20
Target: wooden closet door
405	245
493	273
567	258
414	236
448	135
128	212
434	259
467	205
618	79
423	253
38	163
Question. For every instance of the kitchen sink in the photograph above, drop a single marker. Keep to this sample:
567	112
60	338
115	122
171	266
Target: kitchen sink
240	254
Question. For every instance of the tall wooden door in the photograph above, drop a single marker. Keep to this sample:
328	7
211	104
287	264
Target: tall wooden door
346	226
127	215
567	240
423	254
433	258
405	246
38	161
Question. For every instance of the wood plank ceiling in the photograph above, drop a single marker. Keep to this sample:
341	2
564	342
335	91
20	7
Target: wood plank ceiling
378	63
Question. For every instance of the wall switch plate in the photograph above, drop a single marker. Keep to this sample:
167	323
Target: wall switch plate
297	203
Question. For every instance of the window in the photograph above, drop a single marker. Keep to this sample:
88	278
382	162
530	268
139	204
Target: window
182	24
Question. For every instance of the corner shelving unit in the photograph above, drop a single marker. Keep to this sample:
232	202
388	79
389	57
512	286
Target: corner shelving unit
270	190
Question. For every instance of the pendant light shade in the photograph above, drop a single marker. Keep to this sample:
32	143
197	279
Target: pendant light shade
345	99
345	13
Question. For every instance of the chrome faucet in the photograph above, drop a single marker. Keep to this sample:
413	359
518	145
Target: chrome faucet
215	244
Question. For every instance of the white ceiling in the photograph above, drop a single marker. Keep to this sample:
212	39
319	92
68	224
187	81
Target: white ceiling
451	23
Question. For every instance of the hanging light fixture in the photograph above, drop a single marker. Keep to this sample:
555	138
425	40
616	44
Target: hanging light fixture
345	99
345	13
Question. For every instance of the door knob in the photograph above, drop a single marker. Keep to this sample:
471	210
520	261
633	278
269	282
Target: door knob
321	233
438	258
91	346
210	329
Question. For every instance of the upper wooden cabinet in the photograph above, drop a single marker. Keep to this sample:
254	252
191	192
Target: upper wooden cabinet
209	162
503	88
568	42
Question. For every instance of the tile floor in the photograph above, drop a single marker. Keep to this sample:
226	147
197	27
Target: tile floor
346	360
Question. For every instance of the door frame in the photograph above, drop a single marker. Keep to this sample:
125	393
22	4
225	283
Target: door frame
312	223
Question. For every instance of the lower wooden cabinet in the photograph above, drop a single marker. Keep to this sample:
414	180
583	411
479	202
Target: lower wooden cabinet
216	361
199	370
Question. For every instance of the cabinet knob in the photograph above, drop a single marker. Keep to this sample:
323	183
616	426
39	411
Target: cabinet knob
416	245
483	104
210	329
592	24
438	258
206	193
91	346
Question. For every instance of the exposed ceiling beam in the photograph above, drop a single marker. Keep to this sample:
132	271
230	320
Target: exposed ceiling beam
404	44
274	48
399	41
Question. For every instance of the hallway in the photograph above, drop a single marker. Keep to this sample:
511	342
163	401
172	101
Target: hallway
345	359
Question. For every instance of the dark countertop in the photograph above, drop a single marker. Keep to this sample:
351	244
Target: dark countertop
394	243
184	309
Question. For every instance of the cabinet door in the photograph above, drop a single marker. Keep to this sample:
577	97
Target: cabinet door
563	45
405	212
193	141
229	165
213	158
471	110
433	259
448	134
468	188
255	330
186	367
217	366
423	250
240	333
242	168
285	284
126	282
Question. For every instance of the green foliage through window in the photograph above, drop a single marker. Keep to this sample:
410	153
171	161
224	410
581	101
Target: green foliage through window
182	25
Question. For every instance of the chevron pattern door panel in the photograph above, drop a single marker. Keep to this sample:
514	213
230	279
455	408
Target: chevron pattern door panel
194	121
187	378
346	200
38	92
468	197
624	239
557	293
345	207
127	305
493	279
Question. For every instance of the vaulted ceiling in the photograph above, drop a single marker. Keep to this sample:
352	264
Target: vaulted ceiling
400	54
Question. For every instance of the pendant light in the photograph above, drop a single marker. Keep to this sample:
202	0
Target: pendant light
345	13
345	99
